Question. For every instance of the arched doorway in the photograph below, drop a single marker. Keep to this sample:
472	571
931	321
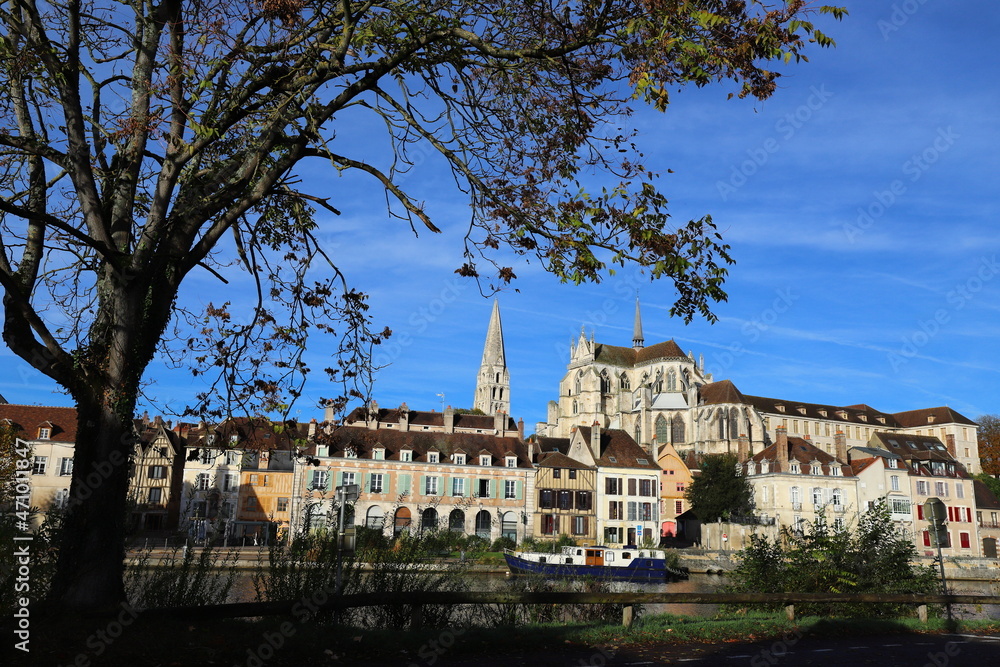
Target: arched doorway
402	522
484	524
429	519
508	525
375	518
456	521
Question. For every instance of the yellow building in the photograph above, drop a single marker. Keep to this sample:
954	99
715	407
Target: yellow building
674	482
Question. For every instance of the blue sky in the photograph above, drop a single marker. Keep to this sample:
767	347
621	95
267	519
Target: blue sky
860	203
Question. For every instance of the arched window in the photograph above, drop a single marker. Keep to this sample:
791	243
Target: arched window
623	382
403	521
671	380
578	385
658	383
662	436
638	430
456	521
795	495
508	525
677	430
429	519
575	406
722	424
605	383
374	518
734	423
484	524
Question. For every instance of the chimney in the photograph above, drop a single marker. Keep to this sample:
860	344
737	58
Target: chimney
371	419
595	439
950	444
743	453
329	414
520	429
158	421
312	427
500	422
404	417
449	420
840	442
781	446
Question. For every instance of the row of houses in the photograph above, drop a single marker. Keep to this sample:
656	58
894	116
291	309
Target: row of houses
257	481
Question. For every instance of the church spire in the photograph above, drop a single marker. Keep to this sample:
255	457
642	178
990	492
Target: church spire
637	340
493	384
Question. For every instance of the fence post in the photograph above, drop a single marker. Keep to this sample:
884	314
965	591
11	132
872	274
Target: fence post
922	613
790	612
416	617
628	615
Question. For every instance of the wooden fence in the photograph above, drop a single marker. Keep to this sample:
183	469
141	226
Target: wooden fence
416	600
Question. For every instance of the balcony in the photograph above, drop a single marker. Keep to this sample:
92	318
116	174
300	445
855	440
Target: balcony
839	509
989	524
796	507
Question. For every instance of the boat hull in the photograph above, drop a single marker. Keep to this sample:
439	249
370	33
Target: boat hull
640	569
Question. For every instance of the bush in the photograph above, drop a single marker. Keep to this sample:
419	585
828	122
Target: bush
502	543
876	557
564	540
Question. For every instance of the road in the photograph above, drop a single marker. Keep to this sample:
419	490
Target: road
790	651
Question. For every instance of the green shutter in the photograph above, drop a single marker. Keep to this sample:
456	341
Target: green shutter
518	489
404	484
338	478
366	482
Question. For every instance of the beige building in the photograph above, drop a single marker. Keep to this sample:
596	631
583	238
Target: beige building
795	482
420	471
674	482
51	433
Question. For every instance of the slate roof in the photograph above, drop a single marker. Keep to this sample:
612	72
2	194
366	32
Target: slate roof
253	434
618	444
560	460
27	419
985	498
425	418
942	415
723	391
858	414
804	453
627	357
364	440
547	444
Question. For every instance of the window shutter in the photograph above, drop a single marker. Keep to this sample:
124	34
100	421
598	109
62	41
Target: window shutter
404	483
518	489
631	486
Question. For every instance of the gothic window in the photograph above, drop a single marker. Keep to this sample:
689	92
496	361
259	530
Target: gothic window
734	423
661	429
658	385
671	380
638	431
575	407
577	385
624	383
605	383
677	430
722	425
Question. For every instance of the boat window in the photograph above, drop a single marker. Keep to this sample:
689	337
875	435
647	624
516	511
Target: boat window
569	561
626	555
579	552
609	557
541	559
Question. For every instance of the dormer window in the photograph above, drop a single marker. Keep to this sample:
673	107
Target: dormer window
44	432
801	410
485	460
930	419
433	457
765	466
842	414
378	454
233	439
892	463
350	453
793	468
880	419
510	461
835	470
822	413
780	407
406	455
458	459
863	417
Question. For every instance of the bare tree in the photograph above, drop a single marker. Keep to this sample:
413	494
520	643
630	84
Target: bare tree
144	140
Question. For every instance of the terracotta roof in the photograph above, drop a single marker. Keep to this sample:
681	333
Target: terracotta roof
252	434
804	453
627	357
560	460
985	498
942	415
27	419
619	445
721	392
364	440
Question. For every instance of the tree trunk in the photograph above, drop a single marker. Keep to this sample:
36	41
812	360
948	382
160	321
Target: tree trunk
89	573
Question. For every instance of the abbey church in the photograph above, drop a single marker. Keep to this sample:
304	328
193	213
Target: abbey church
661	395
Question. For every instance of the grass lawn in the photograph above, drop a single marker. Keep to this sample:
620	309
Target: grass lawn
290	641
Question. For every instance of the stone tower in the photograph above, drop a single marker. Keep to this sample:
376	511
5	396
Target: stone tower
637	340
493	384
